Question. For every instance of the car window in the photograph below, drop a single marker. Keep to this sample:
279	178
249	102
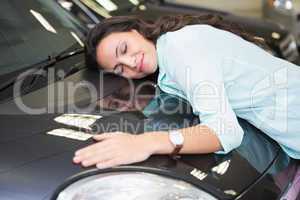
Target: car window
103	8
114	5
31	30
251	8
78	9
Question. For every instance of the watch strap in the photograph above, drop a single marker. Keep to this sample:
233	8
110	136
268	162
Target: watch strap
176	150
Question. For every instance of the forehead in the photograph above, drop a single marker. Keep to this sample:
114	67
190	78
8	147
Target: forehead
106	49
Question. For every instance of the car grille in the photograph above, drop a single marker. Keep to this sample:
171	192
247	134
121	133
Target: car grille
289	48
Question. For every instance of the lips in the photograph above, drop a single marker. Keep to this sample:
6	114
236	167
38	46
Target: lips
141	63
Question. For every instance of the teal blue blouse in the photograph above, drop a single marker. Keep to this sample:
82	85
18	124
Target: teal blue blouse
224	76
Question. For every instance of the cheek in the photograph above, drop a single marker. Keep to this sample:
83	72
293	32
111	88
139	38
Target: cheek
104	58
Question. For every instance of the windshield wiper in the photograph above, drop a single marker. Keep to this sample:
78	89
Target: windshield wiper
69	52
43	65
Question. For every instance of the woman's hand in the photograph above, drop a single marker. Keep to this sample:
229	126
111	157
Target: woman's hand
113	149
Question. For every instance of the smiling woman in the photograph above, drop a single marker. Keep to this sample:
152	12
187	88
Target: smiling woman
126	45
128	54
222	72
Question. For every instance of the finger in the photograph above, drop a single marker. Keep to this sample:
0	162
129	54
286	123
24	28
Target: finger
87	151
90	155
109	163
104	136
99	158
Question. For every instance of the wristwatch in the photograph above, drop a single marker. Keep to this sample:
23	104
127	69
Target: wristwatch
177	140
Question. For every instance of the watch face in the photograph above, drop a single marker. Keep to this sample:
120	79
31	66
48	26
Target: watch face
176	137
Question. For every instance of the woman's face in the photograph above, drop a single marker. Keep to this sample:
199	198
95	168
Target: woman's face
128	54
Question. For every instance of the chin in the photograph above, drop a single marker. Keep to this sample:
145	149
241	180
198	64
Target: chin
152	68
138	76
142	76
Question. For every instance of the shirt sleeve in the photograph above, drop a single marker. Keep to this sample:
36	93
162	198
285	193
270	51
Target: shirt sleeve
193	62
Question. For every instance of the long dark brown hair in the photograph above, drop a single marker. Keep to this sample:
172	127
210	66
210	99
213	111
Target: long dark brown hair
151	30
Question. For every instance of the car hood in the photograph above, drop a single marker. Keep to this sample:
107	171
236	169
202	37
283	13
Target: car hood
55	97
34	164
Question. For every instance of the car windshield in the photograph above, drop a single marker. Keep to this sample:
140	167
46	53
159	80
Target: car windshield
32	30
114	5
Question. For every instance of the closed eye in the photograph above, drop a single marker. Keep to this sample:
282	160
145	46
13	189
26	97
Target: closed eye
124	48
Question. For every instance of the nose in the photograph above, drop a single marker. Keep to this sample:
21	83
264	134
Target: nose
129	61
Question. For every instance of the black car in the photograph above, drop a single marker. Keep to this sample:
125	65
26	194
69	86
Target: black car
90	12
51	105
284	12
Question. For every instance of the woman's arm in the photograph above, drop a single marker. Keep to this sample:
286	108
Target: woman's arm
113	149
197	139
194	63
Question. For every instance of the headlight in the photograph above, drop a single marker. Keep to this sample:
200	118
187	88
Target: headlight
132	186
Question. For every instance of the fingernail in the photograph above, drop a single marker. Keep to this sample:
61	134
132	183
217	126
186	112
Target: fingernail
84	163
76	159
